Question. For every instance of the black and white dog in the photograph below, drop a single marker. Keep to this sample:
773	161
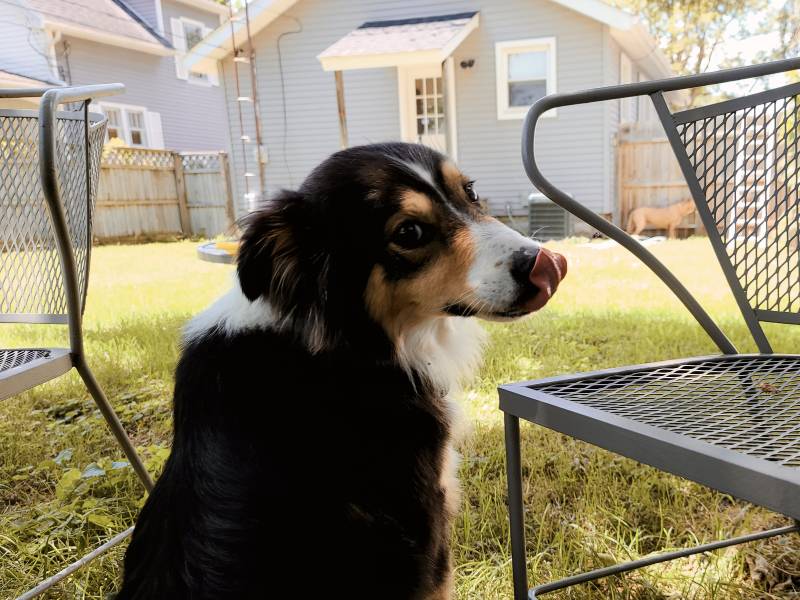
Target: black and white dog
313	443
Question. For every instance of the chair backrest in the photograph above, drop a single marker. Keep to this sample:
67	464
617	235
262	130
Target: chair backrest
32	288
740	160
745	168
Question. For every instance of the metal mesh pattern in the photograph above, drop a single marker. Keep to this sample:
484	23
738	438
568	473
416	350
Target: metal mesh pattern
748	404
746	163
30	271
16	358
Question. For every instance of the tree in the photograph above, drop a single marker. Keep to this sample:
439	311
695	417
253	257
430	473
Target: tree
784	21
692	33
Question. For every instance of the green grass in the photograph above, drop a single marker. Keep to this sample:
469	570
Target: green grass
64	486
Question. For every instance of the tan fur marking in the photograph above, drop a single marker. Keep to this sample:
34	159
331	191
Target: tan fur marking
453	177
400	305
416	203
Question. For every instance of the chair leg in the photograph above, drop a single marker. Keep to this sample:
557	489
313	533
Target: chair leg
113	421
652	560
515	509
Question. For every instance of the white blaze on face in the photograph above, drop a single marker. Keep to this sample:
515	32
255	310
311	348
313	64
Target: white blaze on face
490	275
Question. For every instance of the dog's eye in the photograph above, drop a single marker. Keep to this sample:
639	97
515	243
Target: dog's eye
469	188
410	235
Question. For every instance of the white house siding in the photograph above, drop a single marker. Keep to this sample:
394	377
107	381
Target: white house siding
192	116
178	9
23	43
572	145
147	9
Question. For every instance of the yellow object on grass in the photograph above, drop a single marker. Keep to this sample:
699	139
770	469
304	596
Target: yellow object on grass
231	248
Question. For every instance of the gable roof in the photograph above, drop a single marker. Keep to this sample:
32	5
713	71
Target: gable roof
399	41
633	37
106	21
628	32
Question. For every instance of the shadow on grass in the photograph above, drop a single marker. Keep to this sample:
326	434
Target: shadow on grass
586	507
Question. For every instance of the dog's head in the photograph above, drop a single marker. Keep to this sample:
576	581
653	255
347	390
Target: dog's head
687	206
389	236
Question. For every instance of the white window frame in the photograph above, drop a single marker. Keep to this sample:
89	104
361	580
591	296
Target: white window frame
179	41
502	50
152	139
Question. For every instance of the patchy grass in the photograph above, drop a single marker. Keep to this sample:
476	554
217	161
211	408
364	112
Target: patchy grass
64	486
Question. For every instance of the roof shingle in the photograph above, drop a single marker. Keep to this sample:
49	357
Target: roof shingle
107	16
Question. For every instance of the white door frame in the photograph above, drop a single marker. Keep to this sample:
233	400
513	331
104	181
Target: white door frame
406	104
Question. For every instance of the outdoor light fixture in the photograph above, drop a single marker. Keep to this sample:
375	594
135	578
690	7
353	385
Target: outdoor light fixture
468	63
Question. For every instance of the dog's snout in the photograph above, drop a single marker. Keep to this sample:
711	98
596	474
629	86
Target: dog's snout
522	262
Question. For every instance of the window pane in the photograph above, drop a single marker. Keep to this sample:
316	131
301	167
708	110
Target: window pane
420	108
440	105
429	106
524	66
136	138
420	126
113	117
525	93
135	120
418	86
113	132
193	34
429	86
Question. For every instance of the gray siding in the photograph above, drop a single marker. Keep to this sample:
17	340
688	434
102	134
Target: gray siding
488	148
178	9
192	116
571	143
24	46
146	9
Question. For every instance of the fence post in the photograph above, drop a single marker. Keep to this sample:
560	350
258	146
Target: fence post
180	189
225	167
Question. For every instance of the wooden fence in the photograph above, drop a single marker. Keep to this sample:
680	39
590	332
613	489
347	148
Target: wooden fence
151	192
649	175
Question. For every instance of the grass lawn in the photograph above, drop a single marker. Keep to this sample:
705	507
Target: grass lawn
64	485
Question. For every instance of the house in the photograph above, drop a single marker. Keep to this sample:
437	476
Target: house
456	74
140	43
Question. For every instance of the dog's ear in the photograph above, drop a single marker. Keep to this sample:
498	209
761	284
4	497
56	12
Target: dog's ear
269	252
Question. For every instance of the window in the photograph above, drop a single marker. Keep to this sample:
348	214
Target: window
526	72
192	33
429	98
134	125
114	127
186	34
136	128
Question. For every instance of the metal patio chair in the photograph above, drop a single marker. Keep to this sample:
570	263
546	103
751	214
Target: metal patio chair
49	169
732	421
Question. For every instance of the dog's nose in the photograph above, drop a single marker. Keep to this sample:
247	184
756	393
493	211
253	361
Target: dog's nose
522	262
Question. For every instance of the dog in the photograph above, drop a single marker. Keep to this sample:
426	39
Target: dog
668	217
313	415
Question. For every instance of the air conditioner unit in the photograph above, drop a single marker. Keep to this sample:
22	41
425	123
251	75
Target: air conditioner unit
547	220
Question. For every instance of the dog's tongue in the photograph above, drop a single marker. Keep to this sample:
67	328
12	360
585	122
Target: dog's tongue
548	271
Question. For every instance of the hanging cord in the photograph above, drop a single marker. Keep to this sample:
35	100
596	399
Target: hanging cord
283	94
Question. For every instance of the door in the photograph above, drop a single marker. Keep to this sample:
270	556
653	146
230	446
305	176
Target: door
422	106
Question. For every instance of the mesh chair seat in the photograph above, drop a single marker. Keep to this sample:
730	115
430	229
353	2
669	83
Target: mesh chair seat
10	359
24	368
730	422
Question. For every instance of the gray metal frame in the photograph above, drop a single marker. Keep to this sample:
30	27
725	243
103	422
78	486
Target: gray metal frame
54	362
771	485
